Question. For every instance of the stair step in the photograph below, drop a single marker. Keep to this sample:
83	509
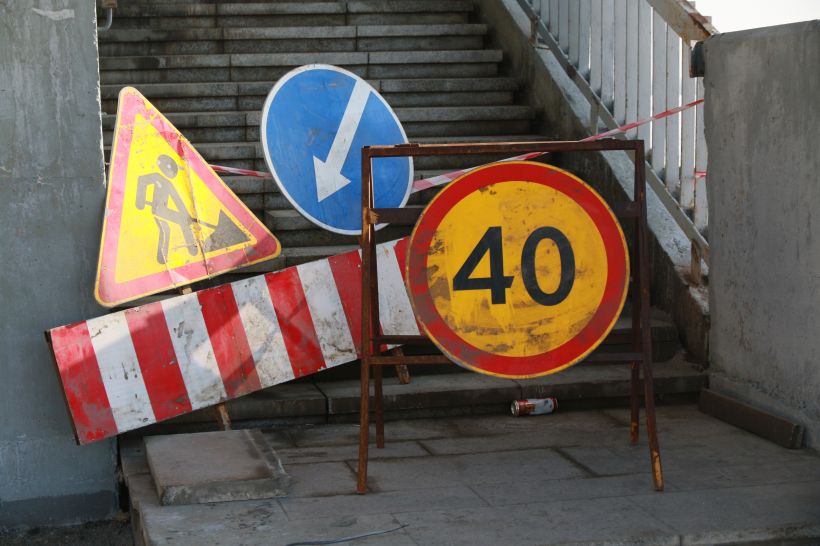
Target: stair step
267	67
409	6
418	122
252	118
204	97
178	15
177	9
296	256
213	150
427	85
191	9
247	185
150	2
131	42
420	42
153	62
453	392
292	220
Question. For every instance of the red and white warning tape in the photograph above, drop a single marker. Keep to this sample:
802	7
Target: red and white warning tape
242	172
418	185
425	183
629	126
441	179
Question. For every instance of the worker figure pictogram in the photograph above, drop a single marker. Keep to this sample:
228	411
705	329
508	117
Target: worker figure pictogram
167	207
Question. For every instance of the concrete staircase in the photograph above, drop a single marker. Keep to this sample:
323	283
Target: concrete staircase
209	66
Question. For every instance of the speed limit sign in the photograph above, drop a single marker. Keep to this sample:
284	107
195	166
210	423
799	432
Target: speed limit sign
517	269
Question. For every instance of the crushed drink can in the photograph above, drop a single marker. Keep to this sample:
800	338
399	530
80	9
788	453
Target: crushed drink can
533	406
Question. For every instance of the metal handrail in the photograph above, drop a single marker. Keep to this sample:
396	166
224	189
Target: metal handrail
631	59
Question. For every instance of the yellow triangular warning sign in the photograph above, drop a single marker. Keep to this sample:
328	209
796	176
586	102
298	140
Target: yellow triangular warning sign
169	219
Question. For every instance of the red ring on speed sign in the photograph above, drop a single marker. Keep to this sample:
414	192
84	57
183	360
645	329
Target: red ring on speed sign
601	282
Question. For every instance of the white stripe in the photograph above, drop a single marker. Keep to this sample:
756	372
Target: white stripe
270	356
326	310
195	355
120	371
395	312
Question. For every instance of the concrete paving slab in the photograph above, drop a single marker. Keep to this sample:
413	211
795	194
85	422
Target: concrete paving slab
470	469
321	479
318	454
678	453
393	502
347	434
260	522
738	476
536	489
674	420
536	424
724	486
762	512
599	520
214	467
279	438
142	494
212	524
554	437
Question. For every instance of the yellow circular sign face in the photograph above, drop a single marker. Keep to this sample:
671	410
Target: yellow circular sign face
517	269
518	328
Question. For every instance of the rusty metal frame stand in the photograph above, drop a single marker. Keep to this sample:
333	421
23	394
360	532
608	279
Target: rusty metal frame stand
372	340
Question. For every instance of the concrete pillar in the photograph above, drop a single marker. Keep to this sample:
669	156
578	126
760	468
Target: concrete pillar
51	200
763	129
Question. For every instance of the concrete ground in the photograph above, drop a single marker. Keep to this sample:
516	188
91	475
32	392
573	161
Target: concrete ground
565	478
116	532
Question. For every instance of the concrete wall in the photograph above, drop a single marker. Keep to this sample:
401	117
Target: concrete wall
763	132
566	116
51	200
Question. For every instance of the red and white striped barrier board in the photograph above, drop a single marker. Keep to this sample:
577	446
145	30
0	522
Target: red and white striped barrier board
139	366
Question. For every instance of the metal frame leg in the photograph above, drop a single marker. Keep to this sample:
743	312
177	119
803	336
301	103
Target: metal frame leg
379	406
364	427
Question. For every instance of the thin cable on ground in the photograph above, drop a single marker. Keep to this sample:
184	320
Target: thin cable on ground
345	539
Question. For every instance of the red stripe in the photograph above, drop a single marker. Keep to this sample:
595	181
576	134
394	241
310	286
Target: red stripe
231	350
347	274
295	322
158	361
82	383
401	257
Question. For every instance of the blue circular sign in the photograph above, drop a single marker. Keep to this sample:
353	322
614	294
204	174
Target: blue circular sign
315	122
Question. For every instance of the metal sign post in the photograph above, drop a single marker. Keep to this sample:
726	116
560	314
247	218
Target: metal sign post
373	341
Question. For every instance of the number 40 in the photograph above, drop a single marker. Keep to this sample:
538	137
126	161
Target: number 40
497	283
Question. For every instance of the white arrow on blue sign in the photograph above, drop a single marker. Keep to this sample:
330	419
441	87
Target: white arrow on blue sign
315	122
